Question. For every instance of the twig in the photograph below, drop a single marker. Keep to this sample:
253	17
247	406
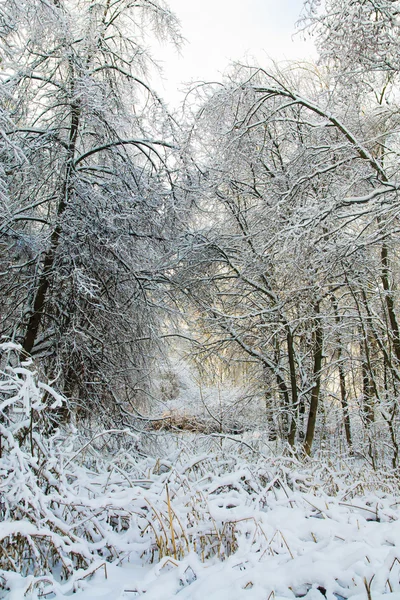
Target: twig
95	437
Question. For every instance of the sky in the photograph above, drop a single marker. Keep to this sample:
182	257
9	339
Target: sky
221	31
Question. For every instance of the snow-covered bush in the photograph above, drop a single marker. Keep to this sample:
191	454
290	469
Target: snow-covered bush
35	535
52	519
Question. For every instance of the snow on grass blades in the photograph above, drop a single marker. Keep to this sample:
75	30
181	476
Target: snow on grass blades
63	508
80	514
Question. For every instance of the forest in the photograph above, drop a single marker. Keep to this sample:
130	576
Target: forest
199	311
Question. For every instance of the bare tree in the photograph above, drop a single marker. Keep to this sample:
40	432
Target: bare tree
91	202
302	203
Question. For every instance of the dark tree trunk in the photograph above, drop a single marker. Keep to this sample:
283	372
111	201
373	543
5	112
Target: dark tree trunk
312	416
40	298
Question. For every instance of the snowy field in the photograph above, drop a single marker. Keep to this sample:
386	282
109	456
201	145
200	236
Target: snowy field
216	526
214	518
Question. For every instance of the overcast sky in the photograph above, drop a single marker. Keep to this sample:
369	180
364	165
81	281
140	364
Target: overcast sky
219	31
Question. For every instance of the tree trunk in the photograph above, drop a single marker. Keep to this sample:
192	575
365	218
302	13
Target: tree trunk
389	301
312	417
342	376
293	386
40	298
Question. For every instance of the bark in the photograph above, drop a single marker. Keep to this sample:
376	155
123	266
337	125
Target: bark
315	393
40	298
342	376
293	386
390	301
345	404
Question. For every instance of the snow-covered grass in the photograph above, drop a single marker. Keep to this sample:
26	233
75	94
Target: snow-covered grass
98	518
215	526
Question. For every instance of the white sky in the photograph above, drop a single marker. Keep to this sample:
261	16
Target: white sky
218	31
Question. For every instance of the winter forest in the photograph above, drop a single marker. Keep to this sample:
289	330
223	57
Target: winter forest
199	311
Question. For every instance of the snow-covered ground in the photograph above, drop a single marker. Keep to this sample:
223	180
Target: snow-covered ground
213	518
219	527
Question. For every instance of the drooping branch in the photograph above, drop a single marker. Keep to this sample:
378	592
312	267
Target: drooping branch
134	142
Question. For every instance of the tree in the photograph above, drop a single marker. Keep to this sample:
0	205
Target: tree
303	204
91	202
358	42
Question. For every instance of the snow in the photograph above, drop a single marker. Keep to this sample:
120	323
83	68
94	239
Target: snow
100	518
272	529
